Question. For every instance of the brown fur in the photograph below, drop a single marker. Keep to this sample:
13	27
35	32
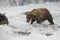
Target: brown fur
39	15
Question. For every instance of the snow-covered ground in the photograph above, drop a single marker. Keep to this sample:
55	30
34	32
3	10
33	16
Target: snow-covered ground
19	29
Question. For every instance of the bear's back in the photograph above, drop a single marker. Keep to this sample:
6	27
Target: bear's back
40	11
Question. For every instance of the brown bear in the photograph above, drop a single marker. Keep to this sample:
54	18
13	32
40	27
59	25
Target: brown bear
39	15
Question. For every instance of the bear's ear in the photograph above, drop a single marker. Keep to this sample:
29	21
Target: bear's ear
26	13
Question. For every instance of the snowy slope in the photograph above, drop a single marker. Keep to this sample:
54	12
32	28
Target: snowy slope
19	29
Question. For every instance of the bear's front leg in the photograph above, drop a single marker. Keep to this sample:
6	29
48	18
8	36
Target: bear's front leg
38	21
32	21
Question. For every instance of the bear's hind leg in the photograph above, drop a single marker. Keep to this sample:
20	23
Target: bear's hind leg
51	20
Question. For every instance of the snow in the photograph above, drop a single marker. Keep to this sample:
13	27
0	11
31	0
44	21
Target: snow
17	23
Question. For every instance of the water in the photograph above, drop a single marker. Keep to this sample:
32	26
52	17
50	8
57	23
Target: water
22	2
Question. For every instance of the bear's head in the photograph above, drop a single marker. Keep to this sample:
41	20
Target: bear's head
29	16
